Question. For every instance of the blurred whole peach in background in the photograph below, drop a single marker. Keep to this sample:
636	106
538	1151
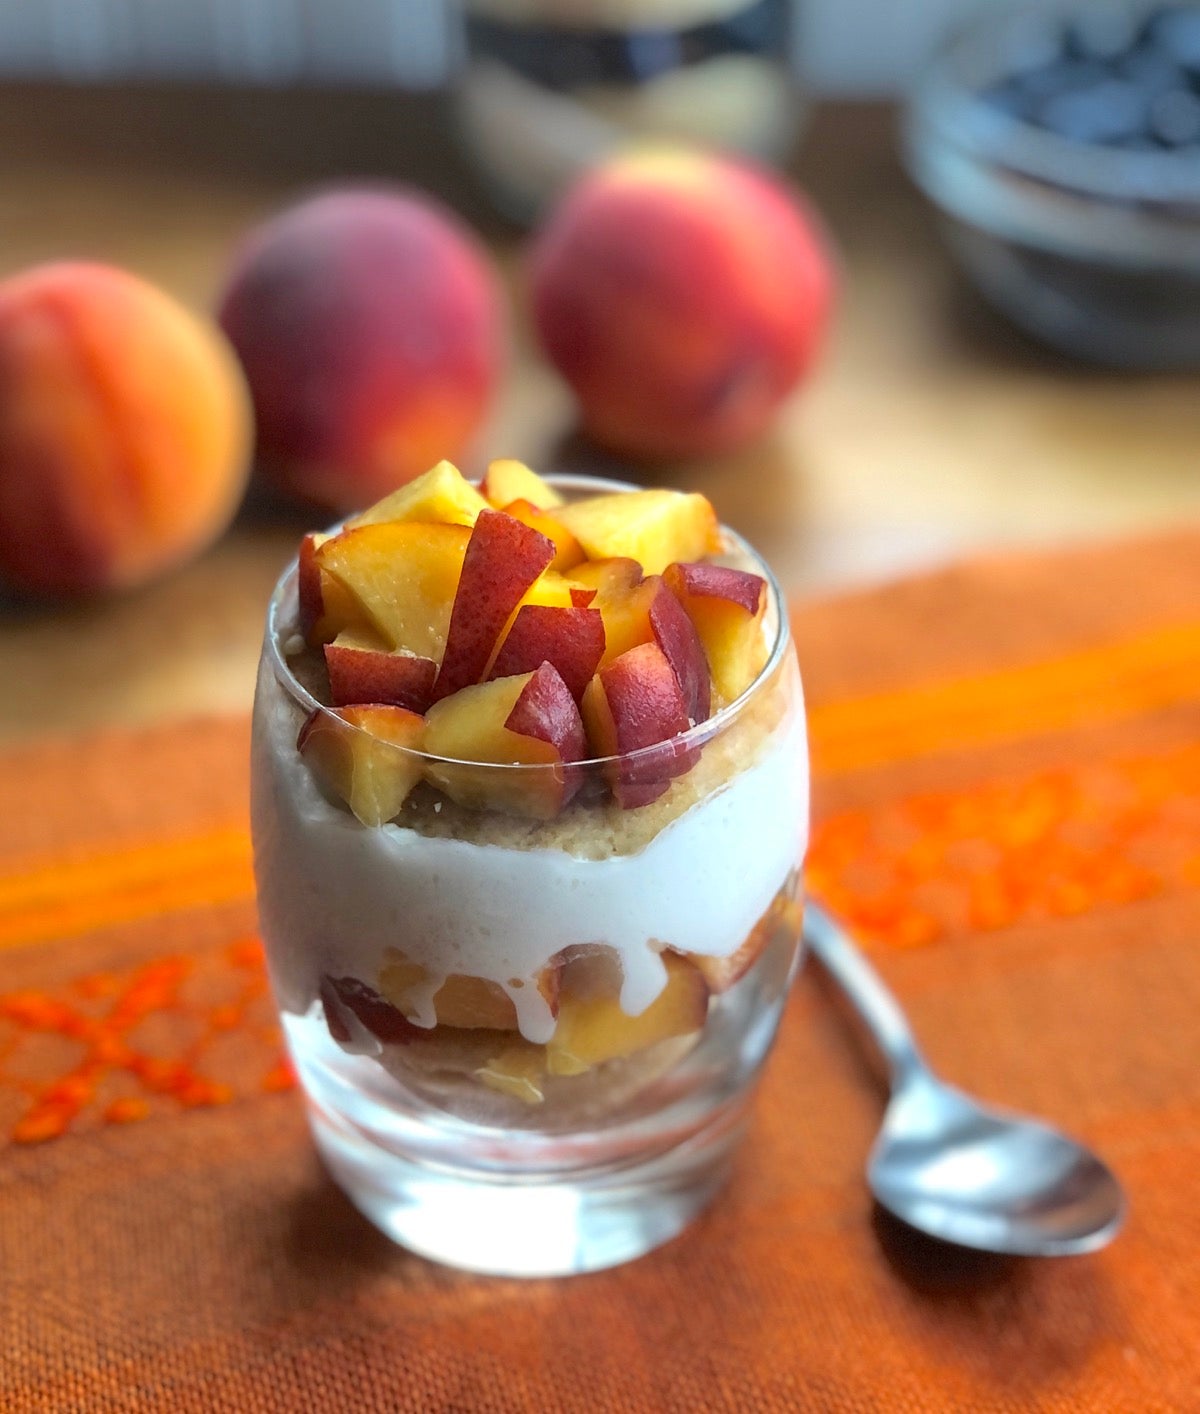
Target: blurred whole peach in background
370	327
682	297
124	430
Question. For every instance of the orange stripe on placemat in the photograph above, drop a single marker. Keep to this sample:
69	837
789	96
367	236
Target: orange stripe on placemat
61	897
1116	680
48	897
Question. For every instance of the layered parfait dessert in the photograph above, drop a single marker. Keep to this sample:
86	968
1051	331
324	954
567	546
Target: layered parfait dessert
530	797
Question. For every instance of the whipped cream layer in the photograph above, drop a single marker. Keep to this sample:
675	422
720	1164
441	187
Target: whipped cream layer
335	896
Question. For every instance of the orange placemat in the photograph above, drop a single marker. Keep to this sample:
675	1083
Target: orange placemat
1008	804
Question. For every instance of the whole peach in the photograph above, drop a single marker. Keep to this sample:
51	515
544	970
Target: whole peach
369	324
124	430
682	296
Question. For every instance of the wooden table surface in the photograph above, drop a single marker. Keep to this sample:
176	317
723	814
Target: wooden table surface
929	430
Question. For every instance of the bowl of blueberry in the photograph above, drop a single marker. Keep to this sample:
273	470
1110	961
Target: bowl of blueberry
1061	146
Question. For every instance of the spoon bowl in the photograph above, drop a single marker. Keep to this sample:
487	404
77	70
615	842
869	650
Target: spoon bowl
958	1170
988	1179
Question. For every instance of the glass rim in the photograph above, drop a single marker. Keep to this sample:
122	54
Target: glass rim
694	737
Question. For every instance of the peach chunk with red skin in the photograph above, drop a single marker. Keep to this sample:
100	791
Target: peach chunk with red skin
675	635
528	720
327	607
362	671
636	610
727	608
635	703
503	559
571	639
567	550
367	755
342	995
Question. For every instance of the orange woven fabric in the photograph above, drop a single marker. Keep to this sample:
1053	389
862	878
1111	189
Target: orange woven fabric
1007	810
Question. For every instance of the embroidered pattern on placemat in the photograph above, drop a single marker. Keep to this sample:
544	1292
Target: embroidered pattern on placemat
1063	841
176	1032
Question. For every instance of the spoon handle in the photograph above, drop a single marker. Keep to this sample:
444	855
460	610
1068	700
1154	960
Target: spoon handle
863	987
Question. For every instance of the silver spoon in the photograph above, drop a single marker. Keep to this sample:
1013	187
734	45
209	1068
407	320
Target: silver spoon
948	1166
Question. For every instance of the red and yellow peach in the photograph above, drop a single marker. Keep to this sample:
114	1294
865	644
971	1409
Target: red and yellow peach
682	297
124	430
369	325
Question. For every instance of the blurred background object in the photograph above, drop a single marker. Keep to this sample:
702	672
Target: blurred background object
683	298
405	42
1062	145
372	331
552	87
124	431
842	46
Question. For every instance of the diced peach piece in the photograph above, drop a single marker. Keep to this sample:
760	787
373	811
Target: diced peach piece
551	590
588	970
507	480
594	1030
326	607
651	527
518	1071
645	610
626	616
624	598
530	720
474	1003
676	636
503	559
634	703
567	550
469	1003
784	919
346	997
362	669
610	578
727	608
546	710
365	755
402	577
570	639
722	972
442	496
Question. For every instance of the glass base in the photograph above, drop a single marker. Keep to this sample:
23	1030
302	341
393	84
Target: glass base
529	1225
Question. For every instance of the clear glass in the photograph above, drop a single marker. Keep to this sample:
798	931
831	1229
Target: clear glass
616	973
